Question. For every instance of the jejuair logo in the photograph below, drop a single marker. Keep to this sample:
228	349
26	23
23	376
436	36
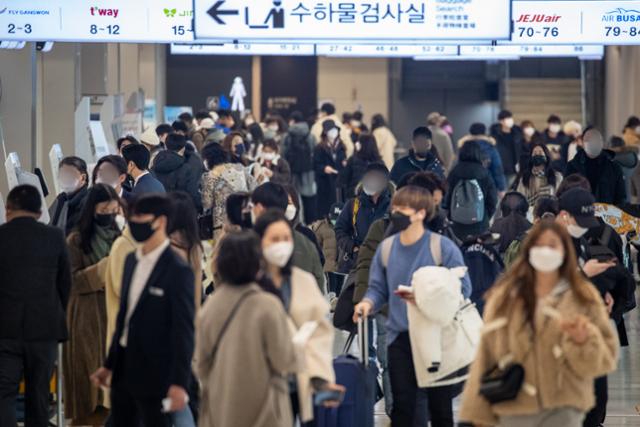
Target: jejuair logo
170	13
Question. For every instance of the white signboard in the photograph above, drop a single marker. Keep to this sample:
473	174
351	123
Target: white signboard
100	144
11	167
262	49
541	51
576	22
97	21
17	176
55	157
28	178
390	20
385	50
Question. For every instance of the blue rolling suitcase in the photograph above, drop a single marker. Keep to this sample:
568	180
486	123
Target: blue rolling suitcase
360	378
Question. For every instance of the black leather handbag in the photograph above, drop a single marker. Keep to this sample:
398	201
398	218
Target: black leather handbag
205	225
502	385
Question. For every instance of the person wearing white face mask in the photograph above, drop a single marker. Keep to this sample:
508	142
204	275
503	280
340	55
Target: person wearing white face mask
329	158
305	255
74	178
597	165
509	142
577	216
304	305
545	317
270	166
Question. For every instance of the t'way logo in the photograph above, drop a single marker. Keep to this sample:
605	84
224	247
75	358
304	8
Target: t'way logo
97	11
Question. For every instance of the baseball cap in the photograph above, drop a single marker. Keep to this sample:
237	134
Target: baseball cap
579	203
150	137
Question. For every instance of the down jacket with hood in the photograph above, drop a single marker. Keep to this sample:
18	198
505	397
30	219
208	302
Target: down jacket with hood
493	157
180	173
410	163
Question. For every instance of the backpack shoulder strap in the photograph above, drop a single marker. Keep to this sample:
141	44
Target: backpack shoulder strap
606	236
356	209
385	250
435	244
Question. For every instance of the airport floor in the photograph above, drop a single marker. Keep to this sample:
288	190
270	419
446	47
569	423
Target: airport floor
624	384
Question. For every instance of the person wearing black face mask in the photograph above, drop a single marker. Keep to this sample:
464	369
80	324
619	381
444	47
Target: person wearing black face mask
149	360
89	247
421	157
409	250
537	177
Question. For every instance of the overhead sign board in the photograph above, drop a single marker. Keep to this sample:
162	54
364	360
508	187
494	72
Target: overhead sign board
141	21
390	20
266	49
384	50
537	51
579	22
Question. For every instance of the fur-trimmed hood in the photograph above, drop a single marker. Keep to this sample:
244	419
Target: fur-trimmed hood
468	138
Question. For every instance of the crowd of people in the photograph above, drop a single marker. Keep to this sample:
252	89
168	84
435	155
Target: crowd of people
194	275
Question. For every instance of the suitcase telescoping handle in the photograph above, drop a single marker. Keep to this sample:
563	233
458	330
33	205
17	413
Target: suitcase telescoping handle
363	340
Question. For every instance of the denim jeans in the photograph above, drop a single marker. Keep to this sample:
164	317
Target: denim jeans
183	418
382	358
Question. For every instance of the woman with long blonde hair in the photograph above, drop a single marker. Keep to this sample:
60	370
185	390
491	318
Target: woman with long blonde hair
545	318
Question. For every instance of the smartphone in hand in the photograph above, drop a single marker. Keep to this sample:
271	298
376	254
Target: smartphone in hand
404	291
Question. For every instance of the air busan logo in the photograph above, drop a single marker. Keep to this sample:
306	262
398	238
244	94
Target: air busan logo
98	11
622	15
539	18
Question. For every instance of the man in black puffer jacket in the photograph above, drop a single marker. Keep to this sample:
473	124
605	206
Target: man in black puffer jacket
179	168
596	164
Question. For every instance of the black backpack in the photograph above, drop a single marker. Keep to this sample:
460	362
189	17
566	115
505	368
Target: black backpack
298	153
485	266
467	202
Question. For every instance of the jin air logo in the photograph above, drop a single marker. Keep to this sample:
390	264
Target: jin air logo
173	12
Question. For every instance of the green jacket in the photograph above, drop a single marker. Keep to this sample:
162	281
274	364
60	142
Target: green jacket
305	257
327	241
365	255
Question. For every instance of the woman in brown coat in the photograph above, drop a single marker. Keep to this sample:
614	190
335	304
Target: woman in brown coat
84	353
544	315
243	345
